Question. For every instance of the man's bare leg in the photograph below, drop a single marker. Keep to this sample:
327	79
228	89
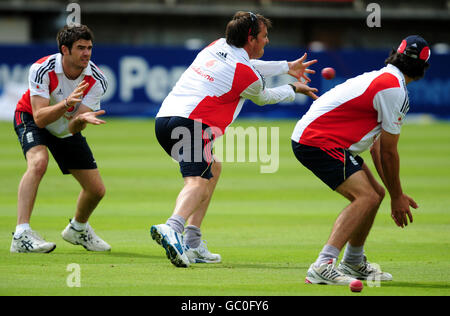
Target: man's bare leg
192	231
37	161
92	192
356	216
197	217
78	232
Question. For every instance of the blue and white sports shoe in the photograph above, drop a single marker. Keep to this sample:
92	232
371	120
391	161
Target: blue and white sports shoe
172	242
201	254
31	241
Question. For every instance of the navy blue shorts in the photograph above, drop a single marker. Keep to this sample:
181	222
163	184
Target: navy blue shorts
189	142
332	166
70	153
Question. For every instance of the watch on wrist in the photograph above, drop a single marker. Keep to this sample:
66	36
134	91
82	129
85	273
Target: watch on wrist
293	87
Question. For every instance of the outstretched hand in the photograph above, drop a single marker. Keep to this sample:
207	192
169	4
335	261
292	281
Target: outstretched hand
91	117
299	68
305	89
77	94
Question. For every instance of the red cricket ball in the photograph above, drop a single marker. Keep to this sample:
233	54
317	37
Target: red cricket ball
328	73
356	286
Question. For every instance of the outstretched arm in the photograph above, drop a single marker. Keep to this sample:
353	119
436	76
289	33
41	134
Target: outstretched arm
297	68
262	96
375	153
390	163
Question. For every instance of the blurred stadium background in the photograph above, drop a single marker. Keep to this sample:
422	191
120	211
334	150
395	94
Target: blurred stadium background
144	45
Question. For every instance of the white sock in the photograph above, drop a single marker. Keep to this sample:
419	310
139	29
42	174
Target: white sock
78	226
177	223
20	229
328	253
353	255
192	236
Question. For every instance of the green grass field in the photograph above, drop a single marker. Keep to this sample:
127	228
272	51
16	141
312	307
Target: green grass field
268	227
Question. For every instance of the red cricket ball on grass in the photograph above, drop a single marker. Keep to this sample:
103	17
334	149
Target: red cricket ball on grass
356	286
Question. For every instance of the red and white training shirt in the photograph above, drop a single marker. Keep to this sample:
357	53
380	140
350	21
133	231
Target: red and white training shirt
352	114
47	79
214	87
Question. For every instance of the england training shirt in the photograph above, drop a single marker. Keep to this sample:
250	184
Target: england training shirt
47	79
214	87
352	114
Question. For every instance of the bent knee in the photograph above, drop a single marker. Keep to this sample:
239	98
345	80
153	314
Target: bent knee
38	167
217	166
374	198
381	193
98	192
203	191
199	186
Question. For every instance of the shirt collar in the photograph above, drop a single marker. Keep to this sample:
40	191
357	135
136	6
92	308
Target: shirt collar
239	51
398	71
243	53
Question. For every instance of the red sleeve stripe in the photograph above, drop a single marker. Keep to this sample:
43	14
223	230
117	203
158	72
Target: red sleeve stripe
91	81
53	81
41	61
43	69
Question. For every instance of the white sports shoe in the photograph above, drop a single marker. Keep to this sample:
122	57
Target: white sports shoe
86	238
30	241
364	270
327	273
172	242
201	254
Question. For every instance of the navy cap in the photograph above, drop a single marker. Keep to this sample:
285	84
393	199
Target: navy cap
415	47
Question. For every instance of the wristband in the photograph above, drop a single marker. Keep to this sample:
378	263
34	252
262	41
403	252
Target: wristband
293	87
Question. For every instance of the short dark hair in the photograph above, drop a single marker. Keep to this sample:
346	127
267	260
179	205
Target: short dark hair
413	68
70	34
242	25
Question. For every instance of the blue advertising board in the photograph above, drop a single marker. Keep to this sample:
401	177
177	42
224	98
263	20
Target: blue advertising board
141	77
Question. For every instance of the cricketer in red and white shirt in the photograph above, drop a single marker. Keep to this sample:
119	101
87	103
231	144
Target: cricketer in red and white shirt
352	114
364	112
47	80
204	102
63	97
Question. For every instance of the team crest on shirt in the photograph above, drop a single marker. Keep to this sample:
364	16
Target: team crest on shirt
39	89
399	120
